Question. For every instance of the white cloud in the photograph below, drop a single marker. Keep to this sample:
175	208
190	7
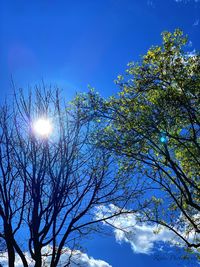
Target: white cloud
145	237
78	259
142	237
18	263
192	53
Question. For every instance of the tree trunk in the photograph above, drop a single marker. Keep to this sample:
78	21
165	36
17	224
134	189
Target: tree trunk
20	253
38	260
11	254
9	243
38	255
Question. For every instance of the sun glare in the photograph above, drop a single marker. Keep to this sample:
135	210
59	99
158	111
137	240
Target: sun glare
42	127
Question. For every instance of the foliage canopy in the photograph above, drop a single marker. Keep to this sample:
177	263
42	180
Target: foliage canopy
153	125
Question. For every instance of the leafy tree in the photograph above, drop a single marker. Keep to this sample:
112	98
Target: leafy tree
153	125
51	186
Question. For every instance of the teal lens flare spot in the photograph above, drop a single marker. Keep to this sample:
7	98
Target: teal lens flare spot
163	139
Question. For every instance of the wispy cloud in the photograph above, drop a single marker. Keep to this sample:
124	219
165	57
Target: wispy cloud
192	54
196	22
150	3
190	44
77	259
186	1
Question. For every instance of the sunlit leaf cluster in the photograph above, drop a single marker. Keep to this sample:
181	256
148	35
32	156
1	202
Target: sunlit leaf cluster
153	126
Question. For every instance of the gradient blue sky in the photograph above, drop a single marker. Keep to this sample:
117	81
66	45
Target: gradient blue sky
71	44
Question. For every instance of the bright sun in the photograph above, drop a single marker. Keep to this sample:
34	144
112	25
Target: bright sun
42	127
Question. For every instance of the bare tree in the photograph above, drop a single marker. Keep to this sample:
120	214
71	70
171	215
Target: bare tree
12	191
51	185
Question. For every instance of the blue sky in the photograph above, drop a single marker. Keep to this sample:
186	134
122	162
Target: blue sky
73	44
